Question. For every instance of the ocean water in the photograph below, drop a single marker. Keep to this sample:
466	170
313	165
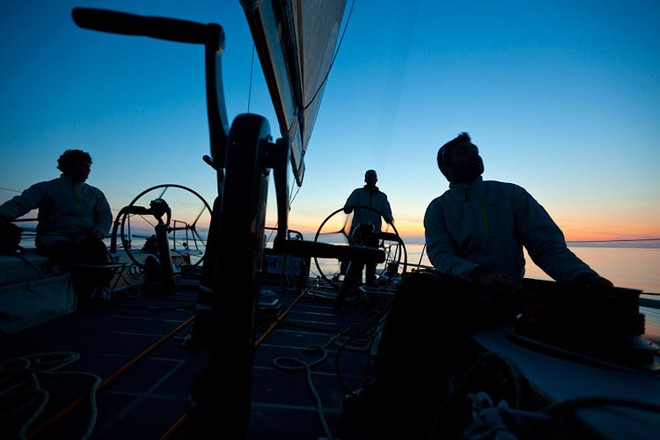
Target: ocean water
635	267
632	267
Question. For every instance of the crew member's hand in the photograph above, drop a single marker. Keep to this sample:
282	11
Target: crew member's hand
494	282
97	234
593	280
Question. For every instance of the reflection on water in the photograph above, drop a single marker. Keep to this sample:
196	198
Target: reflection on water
635	268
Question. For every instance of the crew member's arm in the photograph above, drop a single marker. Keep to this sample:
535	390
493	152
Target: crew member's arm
102	216
23	203
351	202
387	211
547	247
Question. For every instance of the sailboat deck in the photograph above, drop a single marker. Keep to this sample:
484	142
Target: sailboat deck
133	347
307	357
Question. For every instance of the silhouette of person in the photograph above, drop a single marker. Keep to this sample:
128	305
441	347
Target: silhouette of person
369	206
73	219
475	234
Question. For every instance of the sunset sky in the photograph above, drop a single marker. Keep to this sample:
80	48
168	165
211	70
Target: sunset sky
562	98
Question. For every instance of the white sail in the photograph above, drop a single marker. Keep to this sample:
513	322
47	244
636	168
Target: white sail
296	41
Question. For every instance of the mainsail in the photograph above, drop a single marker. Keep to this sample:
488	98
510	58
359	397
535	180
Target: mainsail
296	41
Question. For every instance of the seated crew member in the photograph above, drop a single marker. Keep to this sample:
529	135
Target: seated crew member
74	217
475	234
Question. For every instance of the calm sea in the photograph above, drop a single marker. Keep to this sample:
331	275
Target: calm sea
632	267
635	266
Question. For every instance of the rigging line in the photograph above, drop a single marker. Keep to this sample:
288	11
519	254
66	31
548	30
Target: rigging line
334	58
285	363
279	319
10	190
292	364
48	423
178	424
293	195
421	256
47	364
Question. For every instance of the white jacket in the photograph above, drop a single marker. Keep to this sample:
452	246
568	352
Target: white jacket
488	223
370	198
65	209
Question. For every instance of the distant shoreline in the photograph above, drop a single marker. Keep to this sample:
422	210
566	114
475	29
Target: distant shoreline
644	243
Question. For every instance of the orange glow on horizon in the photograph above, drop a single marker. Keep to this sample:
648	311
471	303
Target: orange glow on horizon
602	224
413	231
633	228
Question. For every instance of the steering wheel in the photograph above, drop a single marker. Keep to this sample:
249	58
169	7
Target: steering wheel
336	229
183	214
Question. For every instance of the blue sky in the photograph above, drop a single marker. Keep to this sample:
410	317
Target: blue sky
562	97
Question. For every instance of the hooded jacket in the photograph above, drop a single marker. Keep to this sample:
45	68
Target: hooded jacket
66	209
487	223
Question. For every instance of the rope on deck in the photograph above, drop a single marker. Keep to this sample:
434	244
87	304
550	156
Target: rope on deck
99	385
20	382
